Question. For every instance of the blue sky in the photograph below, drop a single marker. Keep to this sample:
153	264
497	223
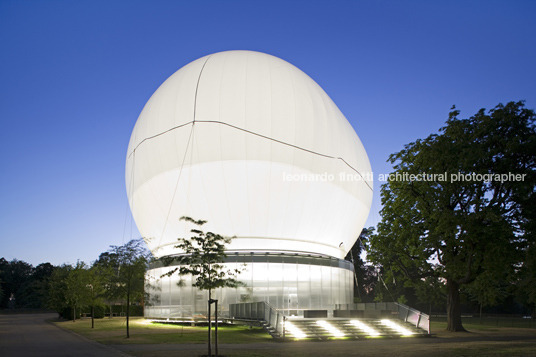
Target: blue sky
74	76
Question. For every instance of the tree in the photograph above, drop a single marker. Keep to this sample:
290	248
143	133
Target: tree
57	299
462	217
96	280
108	268
365	277
130	262
15	276
202	258
36	287
76	292
527	280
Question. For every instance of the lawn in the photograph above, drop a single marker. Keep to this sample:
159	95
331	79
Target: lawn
439	329
157	339
113	331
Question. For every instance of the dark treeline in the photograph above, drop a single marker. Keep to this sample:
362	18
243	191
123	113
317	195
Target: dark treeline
23	285
112	285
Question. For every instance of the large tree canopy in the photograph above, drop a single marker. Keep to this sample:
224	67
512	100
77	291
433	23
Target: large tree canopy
457	208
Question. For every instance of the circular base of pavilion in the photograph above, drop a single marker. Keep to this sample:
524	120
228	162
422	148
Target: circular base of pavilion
288	281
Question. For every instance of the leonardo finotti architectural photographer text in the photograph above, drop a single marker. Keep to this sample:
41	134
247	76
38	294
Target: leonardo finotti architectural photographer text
404	176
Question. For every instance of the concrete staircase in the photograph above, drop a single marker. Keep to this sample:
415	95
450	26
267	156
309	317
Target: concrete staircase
353	321
334	328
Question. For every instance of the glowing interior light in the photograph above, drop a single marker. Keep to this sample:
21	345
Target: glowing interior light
159	321
335	332
364	327
403	331
294	331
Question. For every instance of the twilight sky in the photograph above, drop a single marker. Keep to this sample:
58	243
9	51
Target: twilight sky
74	76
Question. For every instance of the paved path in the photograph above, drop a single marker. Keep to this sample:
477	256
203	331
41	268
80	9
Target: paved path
521	342
27	335
30	335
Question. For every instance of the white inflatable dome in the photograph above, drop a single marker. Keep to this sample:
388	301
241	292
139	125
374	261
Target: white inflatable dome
251	144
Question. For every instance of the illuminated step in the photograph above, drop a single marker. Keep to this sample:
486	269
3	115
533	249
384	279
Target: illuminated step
294	331
364	327
401	330
328	327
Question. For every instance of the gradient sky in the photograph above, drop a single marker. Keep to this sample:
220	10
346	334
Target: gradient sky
74	76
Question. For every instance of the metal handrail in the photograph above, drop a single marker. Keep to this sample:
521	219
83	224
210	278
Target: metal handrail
420	319
403	312
250	311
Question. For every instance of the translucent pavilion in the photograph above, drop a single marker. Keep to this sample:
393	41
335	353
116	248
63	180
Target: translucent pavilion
251	144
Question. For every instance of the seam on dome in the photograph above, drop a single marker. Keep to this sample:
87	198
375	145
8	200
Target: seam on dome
178	126
157	135
259	135
197	85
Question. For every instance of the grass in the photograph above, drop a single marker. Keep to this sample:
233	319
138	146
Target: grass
113	331
494	321
439	328
481	340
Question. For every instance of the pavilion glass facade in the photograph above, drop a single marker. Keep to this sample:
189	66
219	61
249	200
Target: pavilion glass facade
291	283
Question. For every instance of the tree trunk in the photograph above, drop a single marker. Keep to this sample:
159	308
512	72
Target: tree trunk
74	313
454	312
128	312
216	328
92	316
209	326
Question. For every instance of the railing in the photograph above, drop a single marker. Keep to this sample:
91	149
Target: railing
368	306
259	311
262	311
415	317
400	311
